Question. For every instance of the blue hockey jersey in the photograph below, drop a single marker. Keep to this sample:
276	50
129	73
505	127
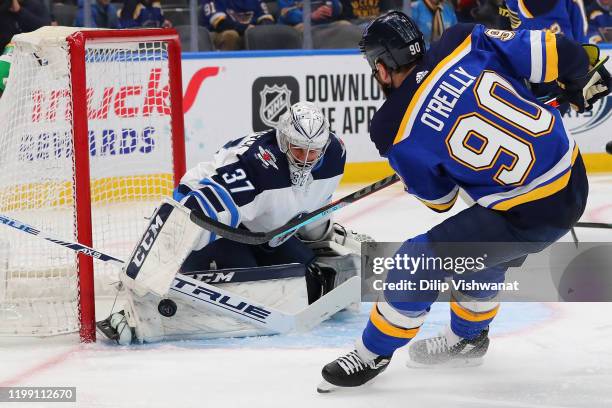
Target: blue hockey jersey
241	13
248	184
464	118
559	16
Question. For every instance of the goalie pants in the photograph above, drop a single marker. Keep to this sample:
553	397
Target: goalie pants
224	254
528	227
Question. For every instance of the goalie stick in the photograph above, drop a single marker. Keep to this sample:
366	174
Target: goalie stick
223	301
278	234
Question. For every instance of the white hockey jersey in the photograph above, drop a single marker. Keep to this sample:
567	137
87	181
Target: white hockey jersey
247	184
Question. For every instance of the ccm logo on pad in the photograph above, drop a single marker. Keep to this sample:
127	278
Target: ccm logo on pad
148	239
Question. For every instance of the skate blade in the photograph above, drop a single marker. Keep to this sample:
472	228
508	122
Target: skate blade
326	387
454	363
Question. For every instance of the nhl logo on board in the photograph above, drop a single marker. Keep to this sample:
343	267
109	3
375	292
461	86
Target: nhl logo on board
272	96
275	100
266	157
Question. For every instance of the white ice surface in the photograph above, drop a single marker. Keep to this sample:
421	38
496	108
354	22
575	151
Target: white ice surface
541	355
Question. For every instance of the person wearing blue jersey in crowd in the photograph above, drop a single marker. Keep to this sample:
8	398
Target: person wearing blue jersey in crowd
104	14
229	19
600	19
142	13
565	17
460	116
433	17
291	12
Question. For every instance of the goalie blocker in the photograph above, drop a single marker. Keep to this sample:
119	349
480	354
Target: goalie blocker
161	304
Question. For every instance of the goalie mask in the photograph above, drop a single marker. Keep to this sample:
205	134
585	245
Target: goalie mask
303	135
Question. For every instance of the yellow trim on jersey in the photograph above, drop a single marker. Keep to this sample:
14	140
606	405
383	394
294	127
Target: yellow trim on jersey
442	66
473	316
369	172
441	207
524	10
540	192
387	328
215	21
552	59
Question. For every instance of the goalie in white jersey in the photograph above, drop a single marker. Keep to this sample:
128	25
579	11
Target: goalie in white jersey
258	182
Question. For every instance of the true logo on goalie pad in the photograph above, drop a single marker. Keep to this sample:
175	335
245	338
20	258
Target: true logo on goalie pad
223	301
143	248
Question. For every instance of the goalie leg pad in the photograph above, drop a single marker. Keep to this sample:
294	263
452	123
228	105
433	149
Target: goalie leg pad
185	313
166	243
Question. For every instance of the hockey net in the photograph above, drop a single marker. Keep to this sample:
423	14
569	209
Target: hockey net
91	138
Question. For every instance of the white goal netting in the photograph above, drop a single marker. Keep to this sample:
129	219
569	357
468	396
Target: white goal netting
131	167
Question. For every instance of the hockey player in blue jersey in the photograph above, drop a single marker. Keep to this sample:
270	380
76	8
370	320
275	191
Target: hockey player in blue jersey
460	116
565	17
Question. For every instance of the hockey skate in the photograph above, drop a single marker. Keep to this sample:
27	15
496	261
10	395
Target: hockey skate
115	327
448	350
351	370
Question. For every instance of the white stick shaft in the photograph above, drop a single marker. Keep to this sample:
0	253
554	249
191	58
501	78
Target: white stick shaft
75	246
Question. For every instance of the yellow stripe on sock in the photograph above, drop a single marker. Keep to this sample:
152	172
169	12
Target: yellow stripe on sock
387	328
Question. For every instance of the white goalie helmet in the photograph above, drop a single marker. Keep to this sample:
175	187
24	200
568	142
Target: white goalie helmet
303	135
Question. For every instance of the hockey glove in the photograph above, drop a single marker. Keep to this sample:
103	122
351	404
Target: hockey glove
583	92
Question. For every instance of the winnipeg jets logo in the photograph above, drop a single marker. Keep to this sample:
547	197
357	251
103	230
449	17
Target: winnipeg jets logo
267	158
420	76
275	100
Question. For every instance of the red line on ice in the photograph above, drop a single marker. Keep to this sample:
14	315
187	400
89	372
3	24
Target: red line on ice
596	213
375	205
45	365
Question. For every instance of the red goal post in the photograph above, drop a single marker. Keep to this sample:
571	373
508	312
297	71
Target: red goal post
95	117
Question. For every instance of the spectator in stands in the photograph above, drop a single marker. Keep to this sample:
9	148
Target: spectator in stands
321	12
361	12
229	19
21	16
142	13
600	21
433	17
104	14
463	10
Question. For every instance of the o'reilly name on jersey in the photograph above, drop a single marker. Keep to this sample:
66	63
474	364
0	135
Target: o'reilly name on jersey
444	98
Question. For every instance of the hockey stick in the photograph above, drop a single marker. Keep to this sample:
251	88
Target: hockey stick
75	246
278	234
593	225
223	301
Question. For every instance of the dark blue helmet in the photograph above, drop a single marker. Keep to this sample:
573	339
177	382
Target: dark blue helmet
393	39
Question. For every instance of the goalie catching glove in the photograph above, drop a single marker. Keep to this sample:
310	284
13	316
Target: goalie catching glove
583	92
